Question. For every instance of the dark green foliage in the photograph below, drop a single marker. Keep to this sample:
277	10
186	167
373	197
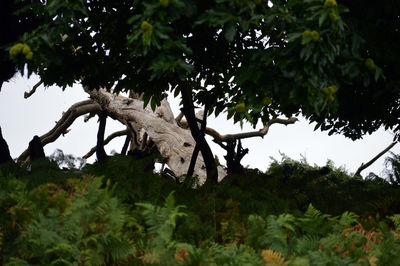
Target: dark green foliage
254	60
295	214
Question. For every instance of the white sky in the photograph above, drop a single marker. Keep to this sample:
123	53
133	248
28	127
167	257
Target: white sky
21	119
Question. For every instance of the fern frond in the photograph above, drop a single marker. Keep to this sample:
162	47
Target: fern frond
396	221
161	221
278	229
272	257
304	244
315	222
348	218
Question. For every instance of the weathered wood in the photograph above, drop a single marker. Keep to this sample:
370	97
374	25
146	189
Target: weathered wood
62	125
174	143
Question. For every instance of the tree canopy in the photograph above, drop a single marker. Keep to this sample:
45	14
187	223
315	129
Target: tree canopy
257	60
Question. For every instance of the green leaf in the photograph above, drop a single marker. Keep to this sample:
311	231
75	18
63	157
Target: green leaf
323	17
230	31
378	73
153	103
231	112
293	36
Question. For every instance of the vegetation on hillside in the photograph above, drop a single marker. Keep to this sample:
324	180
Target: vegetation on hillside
118	213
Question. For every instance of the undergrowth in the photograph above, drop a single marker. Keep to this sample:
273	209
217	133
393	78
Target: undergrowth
117	213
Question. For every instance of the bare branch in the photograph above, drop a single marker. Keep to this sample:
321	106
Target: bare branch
32	91
106	141
260	133
366	165
62	125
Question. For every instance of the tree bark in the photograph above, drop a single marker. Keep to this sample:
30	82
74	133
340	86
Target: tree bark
174	143
100	152
202	130
188	110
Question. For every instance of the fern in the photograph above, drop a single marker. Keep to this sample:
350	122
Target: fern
90	229
273	258
348	218
161	221
256	231
305	243
396	221
315	222
160	224
234	255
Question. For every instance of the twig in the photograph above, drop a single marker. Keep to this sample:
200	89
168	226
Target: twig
106	141
366	165
32	91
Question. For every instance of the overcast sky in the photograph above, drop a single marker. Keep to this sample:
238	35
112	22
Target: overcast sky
21	119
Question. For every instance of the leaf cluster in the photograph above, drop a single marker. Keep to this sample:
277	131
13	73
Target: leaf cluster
325	61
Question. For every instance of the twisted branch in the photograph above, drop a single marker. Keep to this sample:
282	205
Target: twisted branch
259	133
62	125
366	165
32	91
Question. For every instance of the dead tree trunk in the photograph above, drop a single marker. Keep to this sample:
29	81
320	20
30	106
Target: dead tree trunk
174	143
172	139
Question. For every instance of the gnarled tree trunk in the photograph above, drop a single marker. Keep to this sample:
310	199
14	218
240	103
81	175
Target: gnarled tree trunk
174	143
171	136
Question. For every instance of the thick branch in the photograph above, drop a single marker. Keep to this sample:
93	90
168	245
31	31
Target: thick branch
106	141
202	130
66	120
188	110
100	152
33	90
366	165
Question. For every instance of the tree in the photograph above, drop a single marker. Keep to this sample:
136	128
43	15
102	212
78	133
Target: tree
257	60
